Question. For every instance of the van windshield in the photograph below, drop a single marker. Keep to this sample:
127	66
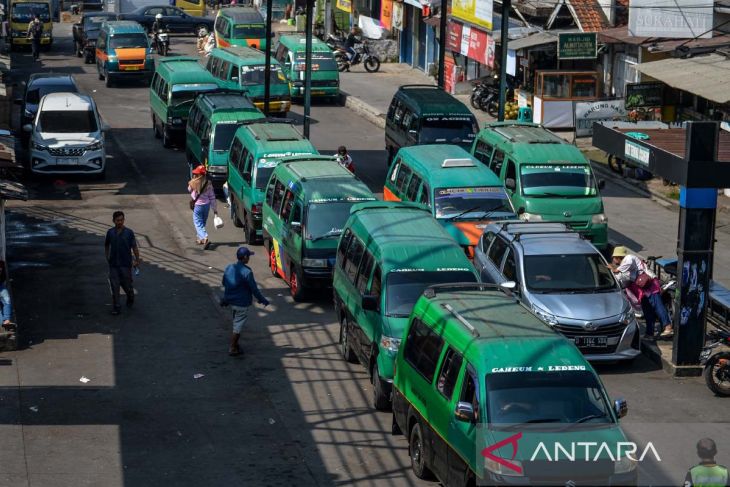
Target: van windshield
454	130
561	180
557	396
263	173
91	23
405	287
321	61
68	122
326	220
187	92
24	12
568	273
249	31
124	41
223	135
473	203
256	75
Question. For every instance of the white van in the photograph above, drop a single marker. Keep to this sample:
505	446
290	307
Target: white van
67	136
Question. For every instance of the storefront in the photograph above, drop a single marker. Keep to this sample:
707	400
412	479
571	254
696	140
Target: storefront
417	39
472	50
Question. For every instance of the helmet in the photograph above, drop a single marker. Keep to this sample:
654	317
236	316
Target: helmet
158	17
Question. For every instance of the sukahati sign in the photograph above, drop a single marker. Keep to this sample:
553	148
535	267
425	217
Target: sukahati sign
671	18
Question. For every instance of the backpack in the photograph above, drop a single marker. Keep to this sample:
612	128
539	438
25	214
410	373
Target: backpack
36	29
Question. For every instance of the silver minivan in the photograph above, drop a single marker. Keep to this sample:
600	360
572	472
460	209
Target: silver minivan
566	283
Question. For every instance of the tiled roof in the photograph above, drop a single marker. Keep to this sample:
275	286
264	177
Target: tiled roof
590	15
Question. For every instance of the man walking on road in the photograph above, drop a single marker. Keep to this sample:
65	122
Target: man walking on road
240	287
35	32
707	473
119	246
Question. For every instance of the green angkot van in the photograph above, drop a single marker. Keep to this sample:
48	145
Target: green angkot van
243	69
546	176
486	393
462	194
176	83
212	123
387	255
307	202
256	150
325	76
240	26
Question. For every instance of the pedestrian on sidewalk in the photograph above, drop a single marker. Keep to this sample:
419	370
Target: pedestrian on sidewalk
634	276
707	473
119	246
202	201
35	32
239	289
6	313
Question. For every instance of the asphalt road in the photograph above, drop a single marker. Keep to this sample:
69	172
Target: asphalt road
290	411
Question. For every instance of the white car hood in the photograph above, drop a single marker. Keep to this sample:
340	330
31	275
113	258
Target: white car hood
67	140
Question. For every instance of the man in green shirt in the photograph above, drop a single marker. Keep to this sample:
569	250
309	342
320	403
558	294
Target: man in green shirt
707	473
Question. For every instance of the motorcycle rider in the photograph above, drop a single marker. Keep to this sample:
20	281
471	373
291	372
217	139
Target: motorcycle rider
344	159
157	26
350	44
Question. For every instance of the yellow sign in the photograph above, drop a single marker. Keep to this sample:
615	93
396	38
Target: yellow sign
345	5
477	12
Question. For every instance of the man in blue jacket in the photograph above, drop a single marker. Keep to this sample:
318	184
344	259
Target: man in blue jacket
240	288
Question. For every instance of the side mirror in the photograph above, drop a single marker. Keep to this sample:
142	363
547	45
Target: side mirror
296	227
27	128
465	412
508	286
601	183
521	210
369	302
510	184
412	132
620	407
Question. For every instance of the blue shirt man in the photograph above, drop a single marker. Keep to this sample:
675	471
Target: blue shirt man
119	245
239	289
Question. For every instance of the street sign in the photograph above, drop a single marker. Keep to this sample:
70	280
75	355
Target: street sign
577	45
637	153
588	112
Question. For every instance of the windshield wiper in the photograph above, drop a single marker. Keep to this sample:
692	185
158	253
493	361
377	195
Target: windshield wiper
584	419
327	235
464	213
182	103
533	421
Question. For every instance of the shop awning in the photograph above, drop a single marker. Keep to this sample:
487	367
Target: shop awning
705	76
533	40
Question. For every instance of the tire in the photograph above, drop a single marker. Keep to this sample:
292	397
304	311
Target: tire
713	376
381	399
79	51
342	63
237	221
416	450
296	285
163	50
372	64
154	127
166	142
493	108
100	73
108	81
249	231
345	348
474	99
272	261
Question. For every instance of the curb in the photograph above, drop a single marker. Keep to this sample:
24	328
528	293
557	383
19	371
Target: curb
654	353
363	109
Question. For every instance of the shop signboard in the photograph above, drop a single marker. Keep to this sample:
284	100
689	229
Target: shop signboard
345	5
644	95
477	12
397	19
587	112
476	44
670	18
577	45
386	14
453	37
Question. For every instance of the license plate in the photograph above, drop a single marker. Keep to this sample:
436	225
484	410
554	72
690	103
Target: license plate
67	161
131	68
317	92
593	342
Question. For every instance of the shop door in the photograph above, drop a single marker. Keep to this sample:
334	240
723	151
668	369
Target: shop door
406	45
421	39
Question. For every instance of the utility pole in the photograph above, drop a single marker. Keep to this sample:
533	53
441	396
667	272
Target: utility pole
267	68
506	7
308	67
442	45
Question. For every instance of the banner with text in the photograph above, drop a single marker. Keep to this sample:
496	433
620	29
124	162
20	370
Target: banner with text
477	12
587	112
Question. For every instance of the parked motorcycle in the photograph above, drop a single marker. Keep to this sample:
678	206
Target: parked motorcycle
480	89
162	42
717	366
362	55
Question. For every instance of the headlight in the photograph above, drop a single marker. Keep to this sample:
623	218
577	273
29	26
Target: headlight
314	262
599	218
627	316
112	59
548	318
624	465
531	217
298	83
389	343
38	146
46	34
96	146
499	469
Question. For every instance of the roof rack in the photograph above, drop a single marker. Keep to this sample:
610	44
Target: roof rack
419	86
517	234
464	162
432	291
461	320
315	157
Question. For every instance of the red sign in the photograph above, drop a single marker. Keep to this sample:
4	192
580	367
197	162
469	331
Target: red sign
386	13
453	37
470	42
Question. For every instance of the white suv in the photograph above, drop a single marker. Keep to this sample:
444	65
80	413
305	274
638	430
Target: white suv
67	136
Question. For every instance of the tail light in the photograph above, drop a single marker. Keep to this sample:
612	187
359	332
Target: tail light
256	209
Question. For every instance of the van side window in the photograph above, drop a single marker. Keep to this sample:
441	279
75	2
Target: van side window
155	80
223	70
450	367
209	65
214	66
406	122
497	161
483	152
509	271
296	213
398	115
354	255
423	347
235	151
366	268
270	191
470	390
247	165
497	250
101	42
391	109
286	207
425	197
342	249
278	197
487	240
404	175
413	188
375	284
511	171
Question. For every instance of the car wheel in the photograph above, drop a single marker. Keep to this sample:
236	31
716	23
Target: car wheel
296	285
108	81
345	348
417	453
249	230
372	64
166	142
155	130
381	399
237	221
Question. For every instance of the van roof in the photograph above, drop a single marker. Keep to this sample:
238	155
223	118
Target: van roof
488	326
448	165
544	238
67	101
324	180
186	69
228	101
243	53
274	140
432	100
123	27
298	41
530	142
242	14
406	236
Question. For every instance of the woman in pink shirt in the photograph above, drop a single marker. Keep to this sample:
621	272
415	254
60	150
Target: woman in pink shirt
203	199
